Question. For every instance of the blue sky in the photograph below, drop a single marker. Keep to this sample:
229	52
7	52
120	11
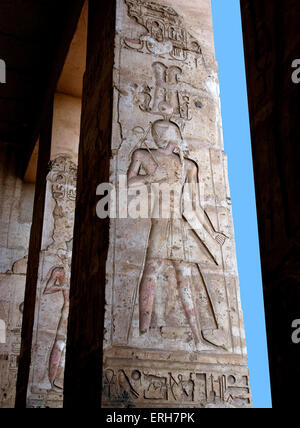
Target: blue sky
230	56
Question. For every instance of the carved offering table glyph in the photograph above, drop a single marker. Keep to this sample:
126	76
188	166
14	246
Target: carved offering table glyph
174	333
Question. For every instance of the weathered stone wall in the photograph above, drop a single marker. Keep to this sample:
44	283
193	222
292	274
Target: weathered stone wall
16	204
174	334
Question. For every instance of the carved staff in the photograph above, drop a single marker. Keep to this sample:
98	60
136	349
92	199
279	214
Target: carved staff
137	288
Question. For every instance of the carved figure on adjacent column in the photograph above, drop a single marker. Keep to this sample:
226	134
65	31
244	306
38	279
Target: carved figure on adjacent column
186	237
59	283
62	177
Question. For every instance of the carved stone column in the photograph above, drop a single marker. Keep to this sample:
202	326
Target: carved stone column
45	387
52	309
174	334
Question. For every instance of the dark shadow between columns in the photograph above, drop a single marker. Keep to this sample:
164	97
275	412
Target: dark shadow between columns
83	372
272	41
33	259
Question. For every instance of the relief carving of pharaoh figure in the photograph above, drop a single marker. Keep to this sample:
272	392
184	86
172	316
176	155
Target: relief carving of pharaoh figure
186	237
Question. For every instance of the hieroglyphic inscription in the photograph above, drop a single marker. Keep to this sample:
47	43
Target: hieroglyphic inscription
165	36
169	89
199	389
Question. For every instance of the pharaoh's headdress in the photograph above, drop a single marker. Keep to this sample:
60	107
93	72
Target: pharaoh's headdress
162	127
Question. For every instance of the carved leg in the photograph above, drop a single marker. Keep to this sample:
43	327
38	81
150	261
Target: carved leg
183	275
55	360
59	380
147	293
